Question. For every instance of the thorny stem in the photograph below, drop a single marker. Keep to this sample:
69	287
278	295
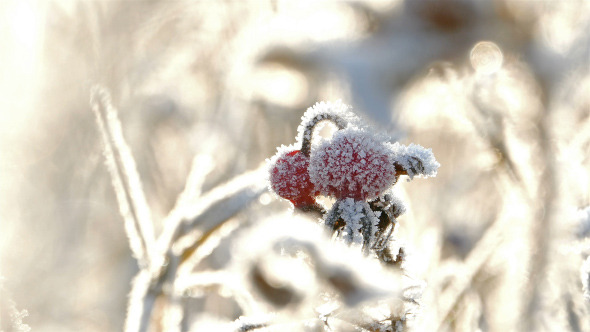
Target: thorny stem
308	133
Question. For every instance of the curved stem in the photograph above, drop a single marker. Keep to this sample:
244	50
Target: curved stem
309	127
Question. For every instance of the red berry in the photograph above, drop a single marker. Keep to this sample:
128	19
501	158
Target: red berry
289	178
353	164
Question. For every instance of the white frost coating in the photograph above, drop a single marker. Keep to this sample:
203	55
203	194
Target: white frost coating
415	159
325	108
353	164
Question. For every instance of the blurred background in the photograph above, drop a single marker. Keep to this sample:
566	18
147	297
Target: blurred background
500	90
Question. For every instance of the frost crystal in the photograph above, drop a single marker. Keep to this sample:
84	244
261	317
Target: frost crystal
353	164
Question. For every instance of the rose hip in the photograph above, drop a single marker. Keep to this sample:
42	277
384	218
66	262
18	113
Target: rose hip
353	164
289	178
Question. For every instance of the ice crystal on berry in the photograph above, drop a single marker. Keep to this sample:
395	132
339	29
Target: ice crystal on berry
353	164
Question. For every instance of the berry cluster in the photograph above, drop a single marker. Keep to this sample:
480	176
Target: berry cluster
356	167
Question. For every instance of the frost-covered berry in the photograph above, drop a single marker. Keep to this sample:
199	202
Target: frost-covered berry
353	164
289	177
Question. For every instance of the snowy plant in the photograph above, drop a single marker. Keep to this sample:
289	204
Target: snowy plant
358	168
285	273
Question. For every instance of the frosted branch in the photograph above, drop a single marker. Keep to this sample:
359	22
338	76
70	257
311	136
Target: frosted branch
212	210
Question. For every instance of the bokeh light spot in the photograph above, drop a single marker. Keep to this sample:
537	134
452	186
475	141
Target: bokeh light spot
486	57
280	85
